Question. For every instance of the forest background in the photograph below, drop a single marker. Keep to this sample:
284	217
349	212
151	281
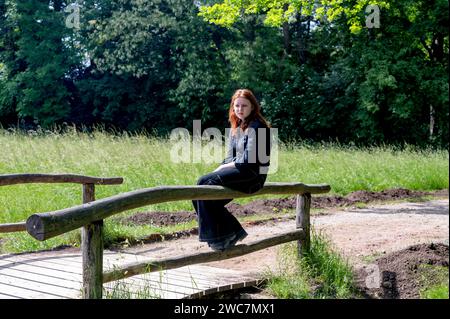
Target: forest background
325	70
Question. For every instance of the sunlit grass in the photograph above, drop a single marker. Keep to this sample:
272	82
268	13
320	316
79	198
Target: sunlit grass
321	273
435	281
144	161
436	292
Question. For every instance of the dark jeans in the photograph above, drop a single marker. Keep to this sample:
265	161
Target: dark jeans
215	222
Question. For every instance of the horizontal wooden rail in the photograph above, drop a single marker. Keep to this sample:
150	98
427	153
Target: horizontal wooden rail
12	179
43	226
142	267
13	227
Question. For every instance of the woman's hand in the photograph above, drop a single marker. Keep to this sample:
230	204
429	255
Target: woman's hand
231	164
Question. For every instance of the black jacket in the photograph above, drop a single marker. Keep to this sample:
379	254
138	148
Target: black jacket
250	149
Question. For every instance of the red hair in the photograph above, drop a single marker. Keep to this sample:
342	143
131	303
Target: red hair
255	114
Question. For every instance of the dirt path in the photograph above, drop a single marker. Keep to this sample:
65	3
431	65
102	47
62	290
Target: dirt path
359	234
386	235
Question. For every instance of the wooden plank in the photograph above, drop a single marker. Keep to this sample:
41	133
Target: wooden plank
39	278
41	274
24	293
65	265
35	276
188	275
13	227
159	282
43	226
25	279
224	288
177	277
175	262
195	281
38	269
6	296
210	275
34	289
180	279
12	179
72	264
160	286
216	277
224	280
61	265
217	283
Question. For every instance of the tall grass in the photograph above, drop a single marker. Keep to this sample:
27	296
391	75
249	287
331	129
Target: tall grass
144	161
321	273
124	290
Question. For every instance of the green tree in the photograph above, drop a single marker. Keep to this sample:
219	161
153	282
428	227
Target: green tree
37	61
360	83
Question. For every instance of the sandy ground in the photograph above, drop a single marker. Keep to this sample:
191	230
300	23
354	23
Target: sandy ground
359	234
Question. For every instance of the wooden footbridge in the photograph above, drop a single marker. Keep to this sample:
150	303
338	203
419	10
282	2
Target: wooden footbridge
94	273
58	275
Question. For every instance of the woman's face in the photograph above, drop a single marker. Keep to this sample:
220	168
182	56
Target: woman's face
242	108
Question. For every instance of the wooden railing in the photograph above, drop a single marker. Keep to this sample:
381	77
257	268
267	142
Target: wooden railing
90	215
12	179
87	181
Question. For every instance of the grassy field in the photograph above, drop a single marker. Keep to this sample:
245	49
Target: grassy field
321	267
144	161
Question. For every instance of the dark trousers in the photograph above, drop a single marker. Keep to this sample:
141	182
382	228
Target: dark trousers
215	222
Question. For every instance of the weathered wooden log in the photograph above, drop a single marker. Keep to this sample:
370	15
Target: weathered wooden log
13	227
43	226
302	219
12	179
142	267
92	251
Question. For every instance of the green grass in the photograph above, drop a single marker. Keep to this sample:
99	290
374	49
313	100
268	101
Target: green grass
123	290
144	161
434	280
321	274
435	292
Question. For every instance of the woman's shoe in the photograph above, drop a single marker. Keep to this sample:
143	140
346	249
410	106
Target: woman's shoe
232	242
229	242
217	247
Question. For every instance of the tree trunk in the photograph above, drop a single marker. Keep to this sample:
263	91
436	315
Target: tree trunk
286	34
301	39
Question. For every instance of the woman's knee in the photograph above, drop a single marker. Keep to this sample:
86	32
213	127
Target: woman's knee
207	180
201	180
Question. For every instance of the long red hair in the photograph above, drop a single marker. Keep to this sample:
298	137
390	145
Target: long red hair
255	114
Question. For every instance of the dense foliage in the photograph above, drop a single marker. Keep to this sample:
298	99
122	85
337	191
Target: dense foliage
320	71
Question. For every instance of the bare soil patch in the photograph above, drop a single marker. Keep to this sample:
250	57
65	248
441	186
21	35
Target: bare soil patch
401	274
277	207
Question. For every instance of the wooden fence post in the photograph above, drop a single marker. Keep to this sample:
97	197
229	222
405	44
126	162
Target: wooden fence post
303	221
92	250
